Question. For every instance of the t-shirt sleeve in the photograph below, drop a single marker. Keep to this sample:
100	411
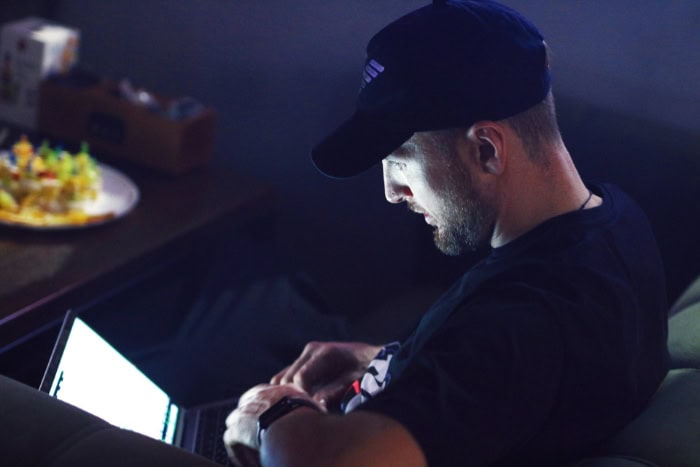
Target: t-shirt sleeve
482	385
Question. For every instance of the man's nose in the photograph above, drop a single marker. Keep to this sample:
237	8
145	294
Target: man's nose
394	191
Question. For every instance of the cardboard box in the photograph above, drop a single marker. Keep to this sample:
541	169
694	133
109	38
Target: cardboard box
30	50
116	127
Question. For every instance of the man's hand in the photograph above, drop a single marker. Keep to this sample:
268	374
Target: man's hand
306	437
326	369
240	437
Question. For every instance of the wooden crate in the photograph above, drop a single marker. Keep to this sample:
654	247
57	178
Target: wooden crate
112	125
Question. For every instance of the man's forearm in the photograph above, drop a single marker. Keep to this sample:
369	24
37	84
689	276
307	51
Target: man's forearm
293	439
309	438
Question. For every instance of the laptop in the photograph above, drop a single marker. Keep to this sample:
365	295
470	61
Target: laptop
86	371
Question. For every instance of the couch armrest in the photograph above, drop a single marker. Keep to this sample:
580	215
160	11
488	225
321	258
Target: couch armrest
37	429
667	432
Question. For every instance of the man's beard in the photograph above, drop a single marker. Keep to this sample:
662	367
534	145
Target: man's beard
468	217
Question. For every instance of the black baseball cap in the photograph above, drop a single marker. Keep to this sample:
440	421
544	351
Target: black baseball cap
446	65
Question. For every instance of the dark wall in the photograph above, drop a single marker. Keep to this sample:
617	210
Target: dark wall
282	73
634	57
15	9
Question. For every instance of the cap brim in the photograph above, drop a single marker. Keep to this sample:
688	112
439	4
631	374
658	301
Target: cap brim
357	145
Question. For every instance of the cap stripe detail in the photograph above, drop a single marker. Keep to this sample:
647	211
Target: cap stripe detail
372	70
376	65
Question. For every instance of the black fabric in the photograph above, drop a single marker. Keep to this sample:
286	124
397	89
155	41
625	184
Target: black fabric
543	349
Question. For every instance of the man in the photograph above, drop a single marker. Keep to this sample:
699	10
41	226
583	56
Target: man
543	349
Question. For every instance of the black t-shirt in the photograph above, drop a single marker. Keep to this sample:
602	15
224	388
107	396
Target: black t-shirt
549	345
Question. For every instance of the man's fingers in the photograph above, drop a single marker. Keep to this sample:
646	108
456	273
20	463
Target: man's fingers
310	373
292	369
229	443
251	394
232	419
254	407
331	395
277	379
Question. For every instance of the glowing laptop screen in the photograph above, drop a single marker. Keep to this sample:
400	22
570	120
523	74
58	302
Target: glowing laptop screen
93	376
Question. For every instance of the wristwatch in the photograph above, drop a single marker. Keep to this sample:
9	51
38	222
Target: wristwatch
278	409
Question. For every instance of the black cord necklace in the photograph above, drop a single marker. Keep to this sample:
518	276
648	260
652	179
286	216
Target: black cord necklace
590	195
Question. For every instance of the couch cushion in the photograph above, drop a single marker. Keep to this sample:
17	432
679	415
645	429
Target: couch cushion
690	296
114	447
36	429
667	433
684	337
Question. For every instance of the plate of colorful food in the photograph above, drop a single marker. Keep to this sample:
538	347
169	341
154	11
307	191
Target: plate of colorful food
49	188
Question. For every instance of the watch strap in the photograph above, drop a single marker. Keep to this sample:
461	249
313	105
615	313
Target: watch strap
279	409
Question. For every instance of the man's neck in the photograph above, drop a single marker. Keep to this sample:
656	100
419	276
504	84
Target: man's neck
537	192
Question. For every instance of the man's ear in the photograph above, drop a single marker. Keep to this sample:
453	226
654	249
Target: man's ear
489	140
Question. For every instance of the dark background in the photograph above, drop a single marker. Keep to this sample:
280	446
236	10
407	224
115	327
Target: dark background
283	73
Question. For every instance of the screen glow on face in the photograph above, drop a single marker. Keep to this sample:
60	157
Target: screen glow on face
93	376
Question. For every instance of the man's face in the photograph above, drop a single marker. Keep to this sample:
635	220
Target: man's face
428	173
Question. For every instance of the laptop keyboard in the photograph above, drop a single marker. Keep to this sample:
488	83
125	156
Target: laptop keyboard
210	433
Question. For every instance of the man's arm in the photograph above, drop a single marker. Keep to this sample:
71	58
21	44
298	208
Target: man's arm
325	370
308	437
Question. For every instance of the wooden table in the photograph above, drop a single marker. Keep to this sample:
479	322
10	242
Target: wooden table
42	274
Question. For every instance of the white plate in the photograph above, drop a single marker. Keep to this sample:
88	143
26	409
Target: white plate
118	196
